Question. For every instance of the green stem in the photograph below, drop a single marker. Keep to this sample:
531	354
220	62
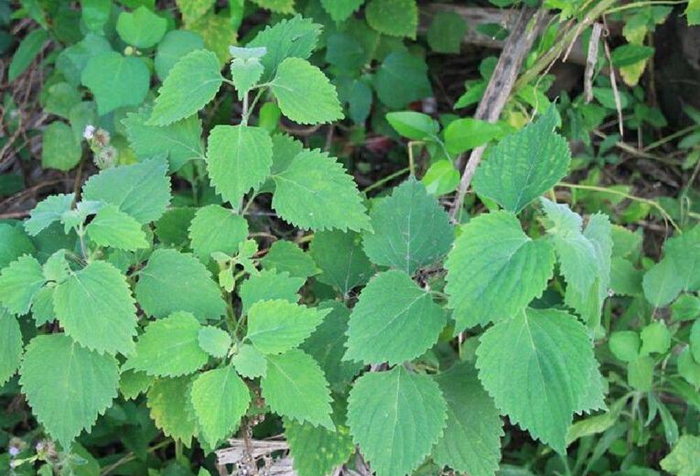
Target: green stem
630	6
386	179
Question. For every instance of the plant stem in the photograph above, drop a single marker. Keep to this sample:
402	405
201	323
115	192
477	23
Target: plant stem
386	179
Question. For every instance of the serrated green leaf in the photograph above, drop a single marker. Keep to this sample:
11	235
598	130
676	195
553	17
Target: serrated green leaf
238	159
220	399
327	346
180	141
215	228
132	383
624	345
116	80
446	32
97	296
19	283
471	442
193	10
304	94
42	306
214	341
495	270
277	6
249	362
141	28
245	73
318	450
172	228
315	192
290	38
191	84
682	461
394	321
396	433
112	227
269	285
168	400
60	150
549	354
174	281
274	327
411	230
47	212
14	243
169	347
284	149
524	165
393	17
82	385
11	346
175	45
294	386
401	79
340	257
341	10
286	256
218	31
141	190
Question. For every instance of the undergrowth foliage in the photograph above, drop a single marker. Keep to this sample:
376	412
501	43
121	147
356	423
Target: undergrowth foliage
140	298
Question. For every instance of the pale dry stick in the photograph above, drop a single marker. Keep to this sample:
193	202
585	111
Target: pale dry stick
616	92
500	85
591	61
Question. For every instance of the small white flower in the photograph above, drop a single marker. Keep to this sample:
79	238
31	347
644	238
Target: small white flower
89	132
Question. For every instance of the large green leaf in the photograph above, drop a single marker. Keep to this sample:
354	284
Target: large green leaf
393	321
547	353
190	85
318	450
396	417
14	243
19	283
315	192
524	165
97	297
411	230
174	281
340	257
684	252
175	45
180	141
393	17
141	28
116	81
290	38
401	79
215	228
238	159
168	399
683	460
471	442
112	227
169	347
141	190
294	386
220	399
341	10
286	256
495	270
274	327
269	285
66	385
304	94
59	149
10	345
